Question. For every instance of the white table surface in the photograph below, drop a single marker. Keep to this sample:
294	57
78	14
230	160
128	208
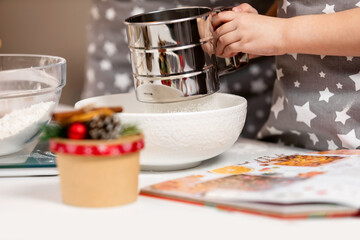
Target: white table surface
31	208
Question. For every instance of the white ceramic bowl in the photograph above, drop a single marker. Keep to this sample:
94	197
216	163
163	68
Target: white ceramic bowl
183	134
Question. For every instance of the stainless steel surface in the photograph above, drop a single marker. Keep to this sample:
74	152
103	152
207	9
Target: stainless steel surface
230	64
172	54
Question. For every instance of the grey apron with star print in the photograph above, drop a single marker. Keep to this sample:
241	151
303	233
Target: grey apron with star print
316	99
108	69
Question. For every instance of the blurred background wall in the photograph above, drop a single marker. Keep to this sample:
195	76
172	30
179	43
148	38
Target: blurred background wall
50	27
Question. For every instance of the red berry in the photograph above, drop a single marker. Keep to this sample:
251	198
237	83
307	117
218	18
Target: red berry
77	131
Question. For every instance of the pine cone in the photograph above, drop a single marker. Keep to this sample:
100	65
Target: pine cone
104	127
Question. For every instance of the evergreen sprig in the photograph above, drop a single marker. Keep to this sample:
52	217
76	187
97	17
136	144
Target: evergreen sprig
129	129
54	130
51	130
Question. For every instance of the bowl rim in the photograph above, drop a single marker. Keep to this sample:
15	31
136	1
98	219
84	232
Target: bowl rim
241	105
60	62
129	21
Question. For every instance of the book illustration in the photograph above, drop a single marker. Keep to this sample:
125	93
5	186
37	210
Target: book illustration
341	152
198	184
309	174
299	185
230	170
301	160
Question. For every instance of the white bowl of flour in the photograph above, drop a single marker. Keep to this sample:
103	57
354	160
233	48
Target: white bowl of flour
21	126
30	88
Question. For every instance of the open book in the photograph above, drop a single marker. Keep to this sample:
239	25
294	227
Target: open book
317	184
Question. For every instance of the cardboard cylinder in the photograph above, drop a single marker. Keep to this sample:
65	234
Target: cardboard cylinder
98	173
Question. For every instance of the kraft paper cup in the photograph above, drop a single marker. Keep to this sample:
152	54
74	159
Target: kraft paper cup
98	173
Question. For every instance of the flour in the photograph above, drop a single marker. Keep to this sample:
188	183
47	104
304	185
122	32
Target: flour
19	126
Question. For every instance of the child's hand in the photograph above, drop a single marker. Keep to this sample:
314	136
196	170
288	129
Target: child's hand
243	30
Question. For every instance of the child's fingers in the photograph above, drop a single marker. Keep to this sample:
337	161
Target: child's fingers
245	7
232	48
225	28
221	18
225	40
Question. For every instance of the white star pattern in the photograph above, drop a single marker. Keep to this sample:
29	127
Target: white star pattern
91	48
137	10
100	85
295	132
102	148
122	81
71	148
255	70
313	138
110	48
250	128
285	5
90	75
94	11
269	73
88	150
139	145
325	95
110	14
339	85
127	147
332	145
105	65
274	131
304	114
237	86
304	118
278	106
342	116
258	86
294	55
279	73
268	100
329	9
260	114
349	140
356	79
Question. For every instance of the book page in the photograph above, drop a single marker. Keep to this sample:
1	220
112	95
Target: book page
330	177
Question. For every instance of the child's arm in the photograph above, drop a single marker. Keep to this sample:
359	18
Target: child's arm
325	34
